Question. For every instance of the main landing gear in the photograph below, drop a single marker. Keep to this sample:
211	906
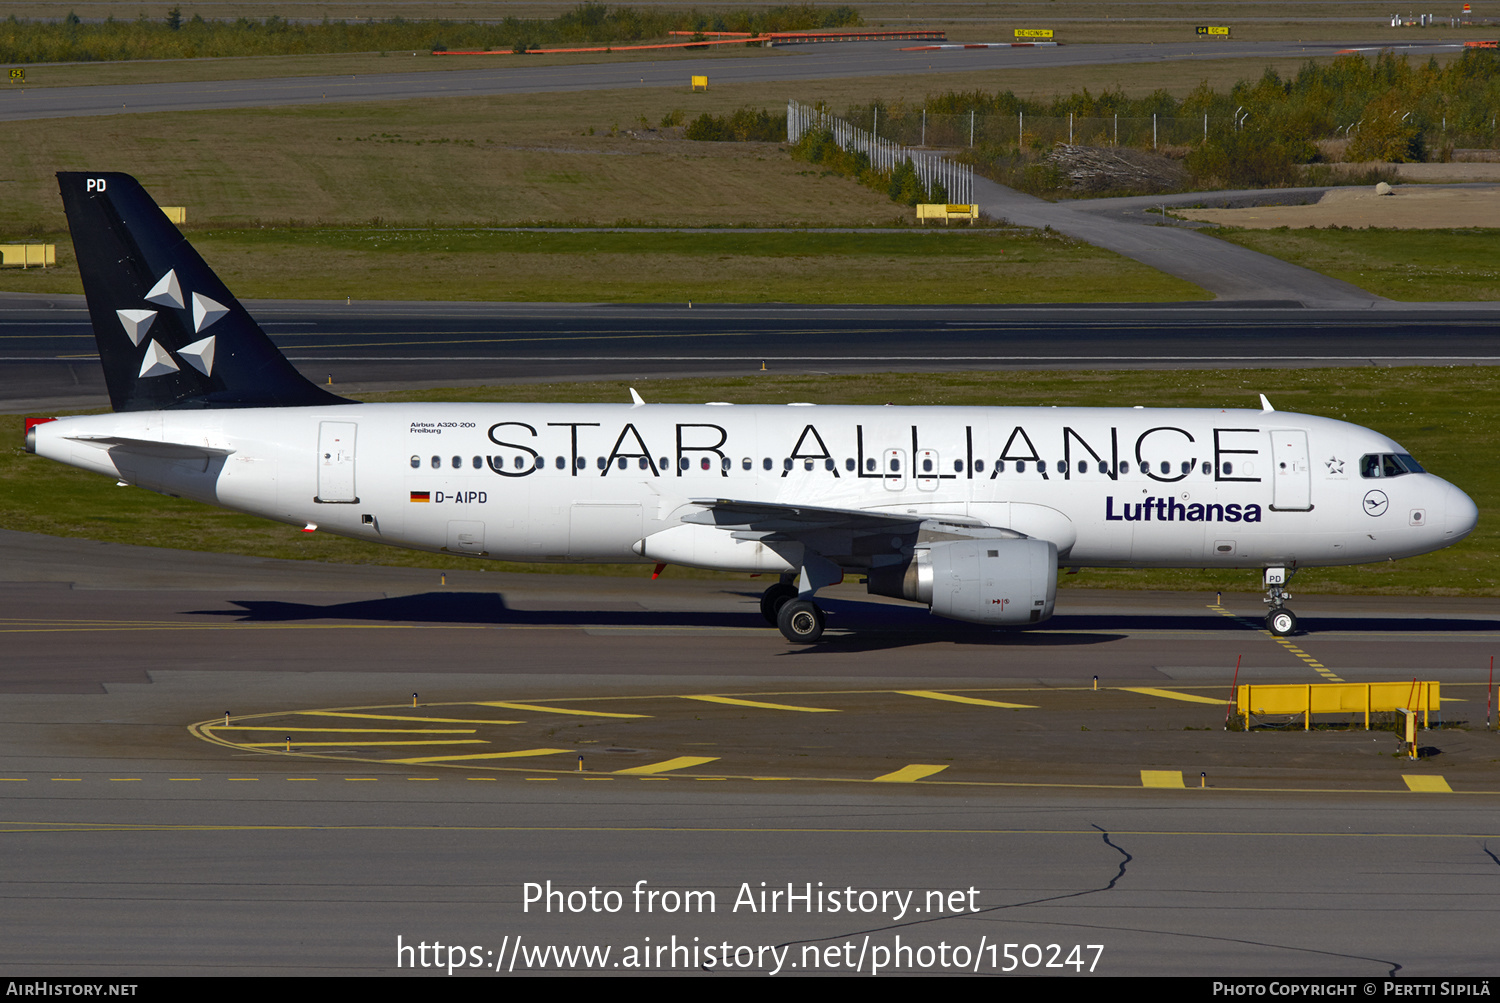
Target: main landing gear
799	620
1280	621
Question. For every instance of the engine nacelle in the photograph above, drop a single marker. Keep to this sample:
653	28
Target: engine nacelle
1000	581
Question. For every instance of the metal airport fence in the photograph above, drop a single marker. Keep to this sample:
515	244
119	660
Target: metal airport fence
932	166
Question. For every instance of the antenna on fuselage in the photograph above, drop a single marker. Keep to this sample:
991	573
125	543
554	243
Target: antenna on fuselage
1265	405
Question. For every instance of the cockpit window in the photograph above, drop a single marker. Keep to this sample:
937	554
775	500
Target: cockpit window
1388	465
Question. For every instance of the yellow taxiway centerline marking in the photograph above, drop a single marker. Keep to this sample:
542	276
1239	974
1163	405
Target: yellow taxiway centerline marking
550	710
907	774
1427	785
1162	778
975	701
1152	691
737	702
340	731
345	745
400	717
482	755
680	763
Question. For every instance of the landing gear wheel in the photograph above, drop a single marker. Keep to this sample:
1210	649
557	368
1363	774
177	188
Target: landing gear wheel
775	597
1281	622
800	621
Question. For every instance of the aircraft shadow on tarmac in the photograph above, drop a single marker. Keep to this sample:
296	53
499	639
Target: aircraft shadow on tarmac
868	625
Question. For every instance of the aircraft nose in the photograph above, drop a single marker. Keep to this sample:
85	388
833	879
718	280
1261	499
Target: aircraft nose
1462	515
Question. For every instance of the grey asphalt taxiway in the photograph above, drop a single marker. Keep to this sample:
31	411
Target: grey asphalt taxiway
48	363
503	73
400	766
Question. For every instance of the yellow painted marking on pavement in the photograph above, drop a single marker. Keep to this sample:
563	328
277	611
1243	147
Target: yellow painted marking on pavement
1162	778
493	780
69	780
421	778
352	731
183	780
293	780
667	765
356	780
15	779
123	780
907	774
535	708
483	755
1152	691
955	698
762	705
1426	784
346	745
402	717
242	778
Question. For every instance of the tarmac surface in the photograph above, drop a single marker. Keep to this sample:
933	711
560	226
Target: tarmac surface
978	770
506	74
48	362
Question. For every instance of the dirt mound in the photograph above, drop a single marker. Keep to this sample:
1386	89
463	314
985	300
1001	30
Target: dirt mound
1407	207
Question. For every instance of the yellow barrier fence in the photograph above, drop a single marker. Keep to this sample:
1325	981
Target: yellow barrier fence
945	212
1338	698
27	255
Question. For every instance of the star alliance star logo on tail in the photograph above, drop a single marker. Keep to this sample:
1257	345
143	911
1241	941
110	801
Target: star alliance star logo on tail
158	361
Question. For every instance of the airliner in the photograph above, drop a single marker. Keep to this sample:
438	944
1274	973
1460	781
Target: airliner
970	511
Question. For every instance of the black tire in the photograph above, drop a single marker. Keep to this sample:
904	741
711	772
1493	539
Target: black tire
800	621
1281	622
775	597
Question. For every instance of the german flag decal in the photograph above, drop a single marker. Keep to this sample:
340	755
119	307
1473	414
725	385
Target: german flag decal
421	496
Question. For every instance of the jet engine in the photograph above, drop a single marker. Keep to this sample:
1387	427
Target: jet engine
1009	582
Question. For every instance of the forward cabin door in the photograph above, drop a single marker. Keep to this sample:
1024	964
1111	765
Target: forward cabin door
336	462
1291	471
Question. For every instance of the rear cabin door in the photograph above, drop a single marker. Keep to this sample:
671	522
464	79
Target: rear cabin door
336	462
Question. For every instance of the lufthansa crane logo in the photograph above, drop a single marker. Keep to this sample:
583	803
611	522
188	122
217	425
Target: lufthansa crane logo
1376	503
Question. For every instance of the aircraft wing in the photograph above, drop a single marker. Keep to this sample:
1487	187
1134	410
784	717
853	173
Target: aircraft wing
762	519
848	537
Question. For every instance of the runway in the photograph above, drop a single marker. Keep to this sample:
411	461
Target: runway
1030	826
48	359
506	74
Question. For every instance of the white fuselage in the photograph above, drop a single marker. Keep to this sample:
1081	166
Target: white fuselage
590	482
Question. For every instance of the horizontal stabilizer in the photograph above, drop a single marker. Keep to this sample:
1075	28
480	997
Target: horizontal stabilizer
154	447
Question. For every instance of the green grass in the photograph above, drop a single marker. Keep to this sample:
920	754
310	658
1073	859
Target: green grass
1413	265
937	265
1444	416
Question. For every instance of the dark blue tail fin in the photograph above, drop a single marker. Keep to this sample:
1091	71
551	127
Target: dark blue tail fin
170	334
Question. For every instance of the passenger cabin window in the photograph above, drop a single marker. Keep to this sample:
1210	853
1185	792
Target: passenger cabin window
416	462
437	463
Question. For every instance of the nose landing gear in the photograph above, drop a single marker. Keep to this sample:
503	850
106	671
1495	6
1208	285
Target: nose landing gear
1280	621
